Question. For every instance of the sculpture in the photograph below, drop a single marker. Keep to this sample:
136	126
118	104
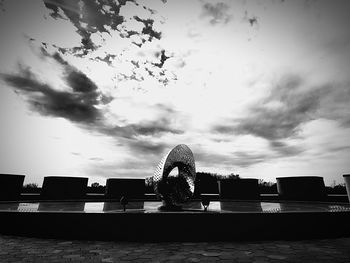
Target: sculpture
175	190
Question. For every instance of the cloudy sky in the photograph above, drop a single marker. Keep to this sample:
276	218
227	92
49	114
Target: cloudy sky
105	88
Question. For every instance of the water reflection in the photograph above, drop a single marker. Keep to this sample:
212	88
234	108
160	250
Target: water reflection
303	207
195	206
268	207
152	206
61	206
338	208
9	206
213	206
93	207
241	207
28	207
192	206
186	207
116	206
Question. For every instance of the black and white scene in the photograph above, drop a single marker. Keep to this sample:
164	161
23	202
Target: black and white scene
174	131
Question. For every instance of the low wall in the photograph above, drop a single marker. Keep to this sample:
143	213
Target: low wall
206	186
11	186
302	188
131	188
60	187
244	189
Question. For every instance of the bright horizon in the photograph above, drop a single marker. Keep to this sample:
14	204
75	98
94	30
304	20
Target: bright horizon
103	89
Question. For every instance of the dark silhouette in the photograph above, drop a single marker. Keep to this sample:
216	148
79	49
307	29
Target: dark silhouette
59	187
174	191
206	183
267	187
11	186
131	188
124	201
149	185
337	189
205	202
31	188
303	188
239	189
96	188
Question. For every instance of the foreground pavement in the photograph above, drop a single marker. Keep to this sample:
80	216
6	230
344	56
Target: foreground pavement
25	249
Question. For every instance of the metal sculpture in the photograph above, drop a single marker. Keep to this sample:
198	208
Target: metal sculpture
175	190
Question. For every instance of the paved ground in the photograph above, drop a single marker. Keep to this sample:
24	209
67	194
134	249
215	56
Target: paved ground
23	249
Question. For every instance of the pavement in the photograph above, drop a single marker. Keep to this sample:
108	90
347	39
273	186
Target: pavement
27	249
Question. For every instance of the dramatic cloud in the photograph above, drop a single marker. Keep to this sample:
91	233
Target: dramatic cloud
163	58
281	115
81	104
101	22
77	105
75	79
259	89
88	17
285	119
148	28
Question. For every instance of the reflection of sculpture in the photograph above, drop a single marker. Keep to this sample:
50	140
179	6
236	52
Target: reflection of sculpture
174	190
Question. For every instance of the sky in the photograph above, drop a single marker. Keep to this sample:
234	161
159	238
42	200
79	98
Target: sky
106	88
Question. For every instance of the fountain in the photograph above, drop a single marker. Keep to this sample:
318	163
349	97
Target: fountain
175	190
176	216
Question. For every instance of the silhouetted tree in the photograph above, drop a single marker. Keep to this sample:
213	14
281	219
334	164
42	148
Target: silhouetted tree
267	187
336	189
31	186
96	188
95	185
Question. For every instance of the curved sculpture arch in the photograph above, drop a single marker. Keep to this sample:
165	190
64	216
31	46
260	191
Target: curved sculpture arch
174	190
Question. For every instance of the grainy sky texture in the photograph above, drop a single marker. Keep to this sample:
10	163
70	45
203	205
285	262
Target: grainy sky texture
105	88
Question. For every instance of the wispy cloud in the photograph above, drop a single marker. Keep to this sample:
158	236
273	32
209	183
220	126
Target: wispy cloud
252	20
217	13
145	147
230	160
281	115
